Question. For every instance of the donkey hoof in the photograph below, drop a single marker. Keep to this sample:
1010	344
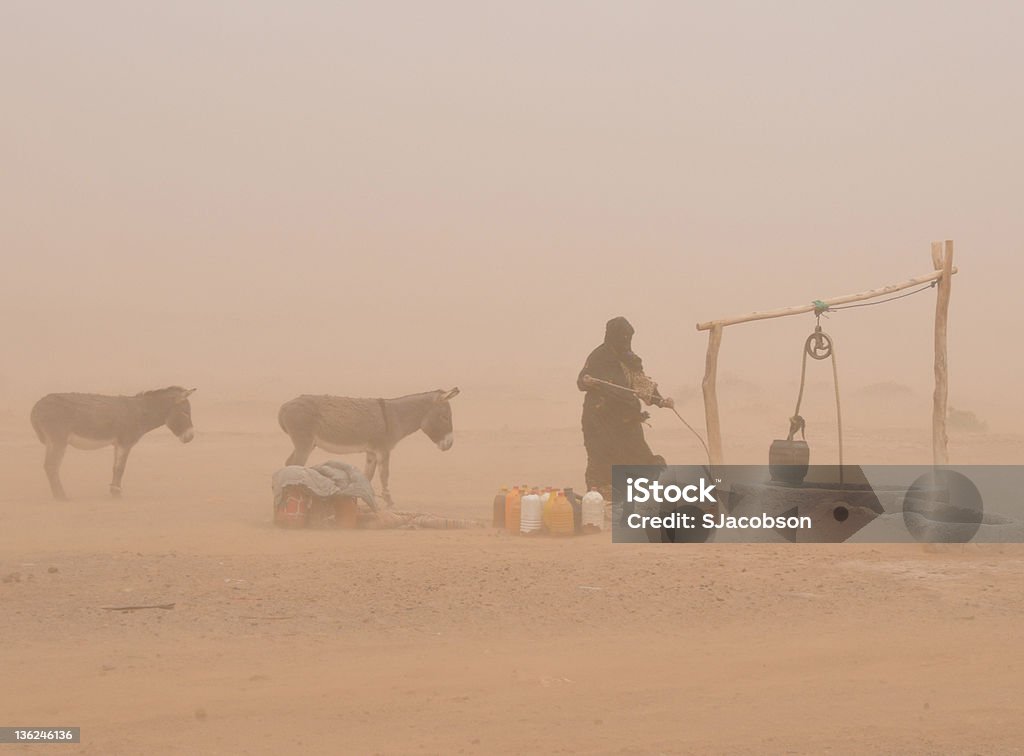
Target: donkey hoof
115	491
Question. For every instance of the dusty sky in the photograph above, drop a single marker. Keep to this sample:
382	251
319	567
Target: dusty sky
375	198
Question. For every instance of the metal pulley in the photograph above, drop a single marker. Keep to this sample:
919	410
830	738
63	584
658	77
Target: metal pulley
818	344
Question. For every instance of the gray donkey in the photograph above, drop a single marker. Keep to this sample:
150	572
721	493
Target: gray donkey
92	421
345	425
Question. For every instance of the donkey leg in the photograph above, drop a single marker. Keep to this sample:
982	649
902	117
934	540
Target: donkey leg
385	474
120	460
51	464
303	448
371	466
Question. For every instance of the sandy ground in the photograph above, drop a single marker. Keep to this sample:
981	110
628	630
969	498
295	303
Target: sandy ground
473	641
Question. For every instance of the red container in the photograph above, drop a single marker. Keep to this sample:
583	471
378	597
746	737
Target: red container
346	512
293	512
301	509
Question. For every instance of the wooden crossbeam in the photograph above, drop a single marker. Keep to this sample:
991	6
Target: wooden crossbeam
846	299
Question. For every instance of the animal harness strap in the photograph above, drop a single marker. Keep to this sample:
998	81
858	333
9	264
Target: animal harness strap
384	415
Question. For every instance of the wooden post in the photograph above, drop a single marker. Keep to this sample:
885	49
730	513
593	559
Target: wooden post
940	441
714	429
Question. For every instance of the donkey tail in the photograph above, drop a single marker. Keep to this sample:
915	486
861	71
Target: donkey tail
36	418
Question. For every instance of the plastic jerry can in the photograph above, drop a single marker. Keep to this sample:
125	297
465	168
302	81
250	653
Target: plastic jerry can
346	512
558	515
532	514
512	510
296	503
577	510
593	511
498	515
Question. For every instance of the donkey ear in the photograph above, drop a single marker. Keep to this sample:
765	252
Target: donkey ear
449	395
189	392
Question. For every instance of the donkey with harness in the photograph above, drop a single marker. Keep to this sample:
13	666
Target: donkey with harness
345	425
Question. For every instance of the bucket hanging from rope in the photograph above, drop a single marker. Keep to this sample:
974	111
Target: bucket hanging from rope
788	460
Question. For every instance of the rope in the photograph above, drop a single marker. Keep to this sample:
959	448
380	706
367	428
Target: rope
641	385
638	393
839	414
700	438
818	346
821	307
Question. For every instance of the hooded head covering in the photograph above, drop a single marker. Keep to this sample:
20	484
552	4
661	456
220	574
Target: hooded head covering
618	334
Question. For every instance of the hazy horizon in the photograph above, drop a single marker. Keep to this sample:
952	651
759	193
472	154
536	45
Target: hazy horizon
386	198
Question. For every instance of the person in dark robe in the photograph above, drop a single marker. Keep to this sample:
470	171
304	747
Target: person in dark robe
613	416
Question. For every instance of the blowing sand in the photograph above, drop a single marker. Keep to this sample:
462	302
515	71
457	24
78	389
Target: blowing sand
473	641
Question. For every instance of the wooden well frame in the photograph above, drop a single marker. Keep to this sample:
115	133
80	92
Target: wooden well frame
943	271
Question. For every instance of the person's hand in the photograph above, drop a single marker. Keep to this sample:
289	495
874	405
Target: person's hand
587	380
668	402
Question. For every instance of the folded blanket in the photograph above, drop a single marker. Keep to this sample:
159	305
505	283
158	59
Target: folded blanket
333	478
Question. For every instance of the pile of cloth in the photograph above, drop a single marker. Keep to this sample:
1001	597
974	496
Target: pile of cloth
336	478
332	478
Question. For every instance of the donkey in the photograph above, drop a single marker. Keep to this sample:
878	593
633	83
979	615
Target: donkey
92	421
345	425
